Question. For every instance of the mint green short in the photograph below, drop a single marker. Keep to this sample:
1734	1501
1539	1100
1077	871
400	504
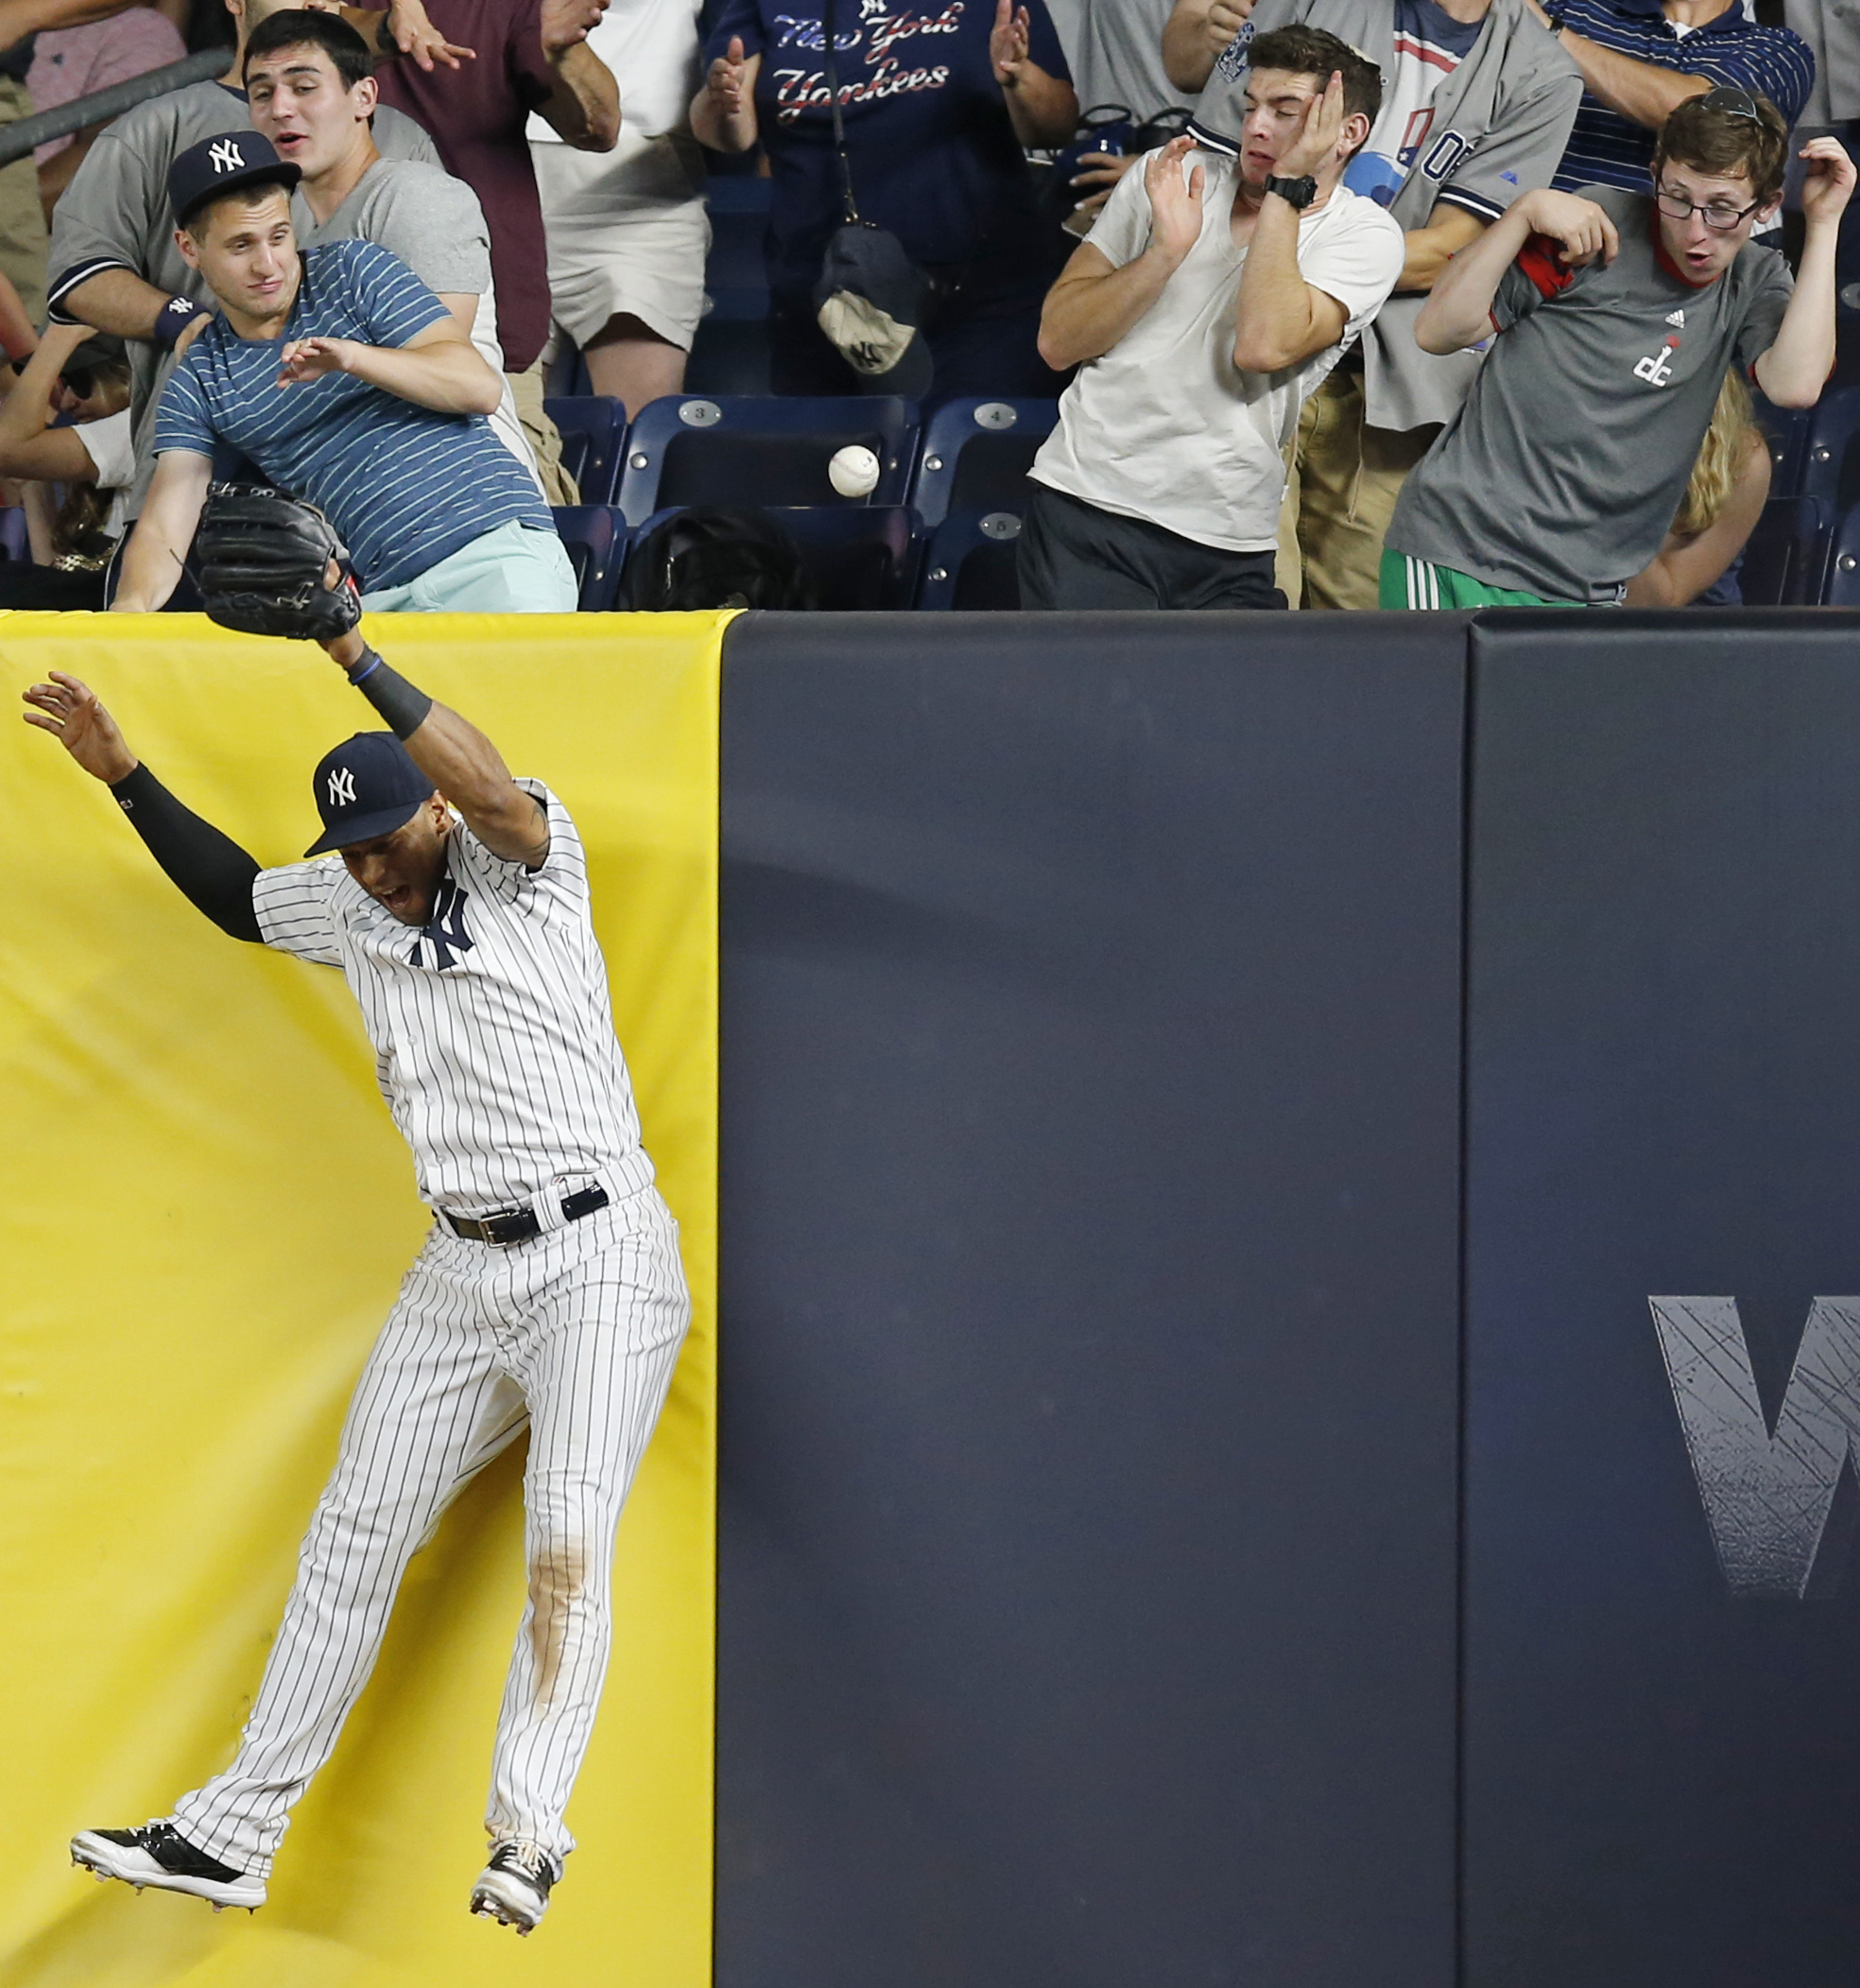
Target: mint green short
513	570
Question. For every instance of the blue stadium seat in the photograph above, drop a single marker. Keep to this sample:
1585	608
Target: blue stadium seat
975	455
595	536
1786	553
1830	451
593	433
859	557
1840	583
970	562
734	449
1786	429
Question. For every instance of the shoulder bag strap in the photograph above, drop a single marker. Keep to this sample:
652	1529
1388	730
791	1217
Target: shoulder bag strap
829	22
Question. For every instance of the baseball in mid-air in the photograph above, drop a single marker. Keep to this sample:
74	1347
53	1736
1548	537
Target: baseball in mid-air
854	471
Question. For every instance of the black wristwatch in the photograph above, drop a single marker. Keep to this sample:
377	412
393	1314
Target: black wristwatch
1295	193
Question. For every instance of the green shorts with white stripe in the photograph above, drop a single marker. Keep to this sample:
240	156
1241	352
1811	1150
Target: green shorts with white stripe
1405	583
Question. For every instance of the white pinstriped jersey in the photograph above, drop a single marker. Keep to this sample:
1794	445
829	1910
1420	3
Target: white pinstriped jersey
492	1025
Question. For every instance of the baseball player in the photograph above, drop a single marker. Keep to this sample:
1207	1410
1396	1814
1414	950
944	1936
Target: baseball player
455	900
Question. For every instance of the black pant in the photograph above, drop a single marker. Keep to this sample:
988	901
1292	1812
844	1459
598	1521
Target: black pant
1074	554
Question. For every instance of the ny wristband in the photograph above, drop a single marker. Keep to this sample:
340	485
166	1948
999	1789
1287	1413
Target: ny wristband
173	319
398	701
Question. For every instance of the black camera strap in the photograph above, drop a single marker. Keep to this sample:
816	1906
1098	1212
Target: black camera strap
830	23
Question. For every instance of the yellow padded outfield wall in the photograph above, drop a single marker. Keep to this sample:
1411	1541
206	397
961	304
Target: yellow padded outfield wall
204	1214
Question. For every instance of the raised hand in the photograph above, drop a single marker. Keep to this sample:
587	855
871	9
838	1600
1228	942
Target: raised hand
1009	41
1828	184
1317	139
1174	201
567	21
310	358
416	39
1226	18
1582	227
725	80
69	710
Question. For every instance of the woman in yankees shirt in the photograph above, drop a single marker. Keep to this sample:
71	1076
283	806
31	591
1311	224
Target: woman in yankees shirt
938	99
549	1293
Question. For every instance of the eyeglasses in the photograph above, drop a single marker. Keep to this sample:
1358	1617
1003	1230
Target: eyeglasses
1718	216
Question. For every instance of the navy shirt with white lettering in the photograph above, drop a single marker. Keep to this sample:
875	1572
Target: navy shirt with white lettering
1608	150
935	160
404	487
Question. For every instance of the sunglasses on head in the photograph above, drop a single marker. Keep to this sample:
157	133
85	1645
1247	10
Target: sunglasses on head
1732	102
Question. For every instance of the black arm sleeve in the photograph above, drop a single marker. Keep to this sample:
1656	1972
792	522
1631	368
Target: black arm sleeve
210	869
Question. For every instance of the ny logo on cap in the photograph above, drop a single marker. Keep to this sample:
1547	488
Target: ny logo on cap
226	156
342	787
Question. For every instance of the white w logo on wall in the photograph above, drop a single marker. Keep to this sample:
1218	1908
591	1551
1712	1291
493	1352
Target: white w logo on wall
1782	1504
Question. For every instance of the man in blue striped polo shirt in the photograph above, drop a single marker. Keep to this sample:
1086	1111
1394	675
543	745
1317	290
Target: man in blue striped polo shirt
348	383
1641	60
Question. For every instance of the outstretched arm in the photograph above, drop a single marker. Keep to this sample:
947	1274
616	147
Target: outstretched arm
158	546
208	869
453	753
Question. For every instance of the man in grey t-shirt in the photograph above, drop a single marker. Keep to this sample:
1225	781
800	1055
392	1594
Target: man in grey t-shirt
1619	316
113	259
310	82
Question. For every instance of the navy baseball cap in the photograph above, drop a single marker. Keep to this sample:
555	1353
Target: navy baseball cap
366	787
217	164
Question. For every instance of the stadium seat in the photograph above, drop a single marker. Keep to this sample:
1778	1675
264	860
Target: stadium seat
1786	553
593	433
975	455
1786	429
859	557
1840	583
736	449
595	536
1830	451
970	562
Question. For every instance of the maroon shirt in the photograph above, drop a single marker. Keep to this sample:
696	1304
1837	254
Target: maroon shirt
476	114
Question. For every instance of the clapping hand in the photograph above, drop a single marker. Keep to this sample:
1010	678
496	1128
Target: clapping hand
1828	184
1174	201
725	81
1008	43
564	23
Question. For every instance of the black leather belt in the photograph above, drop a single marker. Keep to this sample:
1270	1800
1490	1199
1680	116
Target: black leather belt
510	1225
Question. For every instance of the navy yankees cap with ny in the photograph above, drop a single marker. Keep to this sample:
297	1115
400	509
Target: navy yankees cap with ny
216	166
366	787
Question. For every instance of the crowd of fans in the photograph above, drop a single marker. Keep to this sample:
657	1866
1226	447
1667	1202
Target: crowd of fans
1417	302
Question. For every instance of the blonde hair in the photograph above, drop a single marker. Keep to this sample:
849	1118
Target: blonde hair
1721	457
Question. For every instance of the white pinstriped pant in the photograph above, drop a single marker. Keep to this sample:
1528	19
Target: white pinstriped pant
577	1331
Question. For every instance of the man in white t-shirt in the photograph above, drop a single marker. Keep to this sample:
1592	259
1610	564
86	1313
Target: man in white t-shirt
1207	305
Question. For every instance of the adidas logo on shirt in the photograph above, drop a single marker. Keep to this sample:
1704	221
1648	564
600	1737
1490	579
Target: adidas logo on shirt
1676	317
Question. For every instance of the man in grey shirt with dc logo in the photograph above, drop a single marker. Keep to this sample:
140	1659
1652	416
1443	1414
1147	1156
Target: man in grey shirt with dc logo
1618	316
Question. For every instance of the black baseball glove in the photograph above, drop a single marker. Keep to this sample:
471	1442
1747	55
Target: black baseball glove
270	564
